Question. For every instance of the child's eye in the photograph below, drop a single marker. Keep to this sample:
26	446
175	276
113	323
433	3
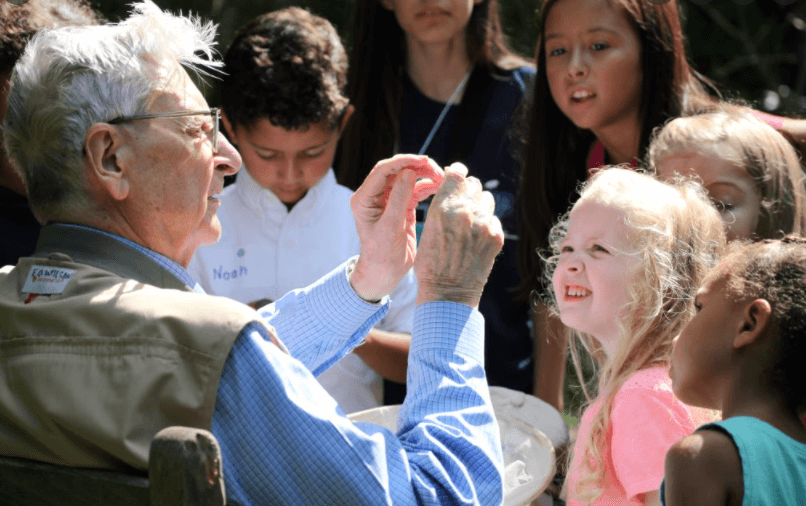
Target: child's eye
264	156
557	51
566	249
596	248
314	154
598	46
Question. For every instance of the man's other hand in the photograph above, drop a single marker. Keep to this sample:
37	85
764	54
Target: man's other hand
460	241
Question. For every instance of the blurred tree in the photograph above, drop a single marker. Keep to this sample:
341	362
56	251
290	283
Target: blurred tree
753	49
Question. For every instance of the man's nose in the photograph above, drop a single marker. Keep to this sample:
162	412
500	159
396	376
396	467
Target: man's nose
227	158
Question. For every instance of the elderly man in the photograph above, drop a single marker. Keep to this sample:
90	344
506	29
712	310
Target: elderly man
103	341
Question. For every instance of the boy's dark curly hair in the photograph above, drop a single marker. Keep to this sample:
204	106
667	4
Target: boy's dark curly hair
287	66
775	270
18	23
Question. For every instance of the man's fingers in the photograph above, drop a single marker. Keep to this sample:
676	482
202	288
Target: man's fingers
430	177
424	188
457	168
497	231
487	206
430	170
474	185
400	196
380	177
455	176
378	185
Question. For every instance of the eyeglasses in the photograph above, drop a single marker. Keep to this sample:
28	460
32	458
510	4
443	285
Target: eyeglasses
215	112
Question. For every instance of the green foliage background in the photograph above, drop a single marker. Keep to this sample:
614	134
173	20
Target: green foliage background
753	49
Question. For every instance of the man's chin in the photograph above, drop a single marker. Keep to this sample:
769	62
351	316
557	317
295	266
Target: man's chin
210	233
206	235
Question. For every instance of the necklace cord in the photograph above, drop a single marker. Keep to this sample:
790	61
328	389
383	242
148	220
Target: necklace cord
443	113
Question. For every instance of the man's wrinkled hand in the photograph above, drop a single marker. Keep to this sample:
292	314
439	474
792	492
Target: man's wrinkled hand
460	240
384	209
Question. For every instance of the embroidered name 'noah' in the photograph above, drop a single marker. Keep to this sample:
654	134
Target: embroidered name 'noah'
228	274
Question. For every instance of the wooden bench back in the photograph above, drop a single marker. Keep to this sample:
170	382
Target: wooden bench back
184	470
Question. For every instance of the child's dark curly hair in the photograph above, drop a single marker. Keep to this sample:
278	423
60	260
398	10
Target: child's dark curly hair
287	66
18	23
775	270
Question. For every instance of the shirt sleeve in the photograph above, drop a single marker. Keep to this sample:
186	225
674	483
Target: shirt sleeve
325	321
400	317
285	441
645	424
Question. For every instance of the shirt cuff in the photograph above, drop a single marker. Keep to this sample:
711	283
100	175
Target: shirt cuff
441	325
336	303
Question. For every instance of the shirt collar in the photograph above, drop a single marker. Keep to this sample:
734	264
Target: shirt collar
113	253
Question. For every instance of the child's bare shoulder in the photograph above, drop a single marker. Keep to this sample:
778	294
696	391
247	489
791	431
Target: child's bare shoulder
704	468
705	448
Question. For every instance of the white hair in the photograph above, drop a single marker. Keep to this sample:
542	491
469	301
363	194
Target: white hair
70	78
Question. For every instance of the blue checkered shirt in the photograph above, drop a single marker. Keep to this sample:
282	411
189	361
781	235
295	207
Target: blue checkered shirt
284	440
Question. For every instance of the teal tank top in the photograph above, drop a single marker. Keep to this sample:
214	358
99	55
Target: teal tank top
773	464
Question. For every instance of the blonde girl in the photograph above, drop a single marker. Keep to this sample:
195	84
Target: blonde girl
627	260
750	171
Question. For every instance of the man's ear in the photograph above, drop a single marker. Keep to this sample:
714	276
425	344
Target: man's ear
106	160
756	318
228	128
345	120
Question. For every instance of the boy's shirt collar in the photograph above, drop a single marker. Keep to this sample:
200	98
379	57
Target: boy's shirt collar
260	200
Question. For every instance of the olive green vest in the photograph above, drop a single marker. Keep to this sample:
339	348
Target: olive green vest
90	374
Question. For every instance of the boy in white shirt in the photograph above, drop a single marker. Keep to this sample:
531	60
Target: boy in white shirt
286	222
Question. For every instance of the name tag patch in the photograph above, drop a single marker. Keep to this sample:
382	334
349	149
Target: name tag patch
45	279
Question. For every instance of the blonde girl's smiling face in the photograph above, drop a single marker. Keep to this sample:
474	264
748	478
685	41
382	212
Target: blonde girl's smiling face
730	187
432	21
593	63
596	264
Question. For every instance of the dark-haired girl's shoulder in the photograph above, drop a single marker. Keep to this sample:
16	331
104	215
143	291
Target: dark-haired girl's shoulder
703	468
